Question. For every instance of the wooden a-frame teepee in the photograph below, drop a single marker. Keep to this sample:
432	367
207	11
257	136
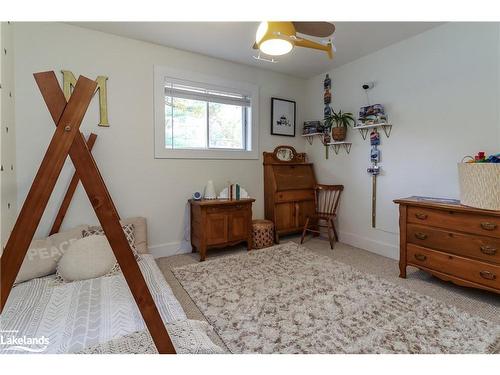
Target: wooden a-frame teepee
68	140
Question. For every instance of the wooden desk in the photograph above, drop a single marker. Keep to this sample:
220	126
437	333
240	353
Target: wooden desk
288	190
220	223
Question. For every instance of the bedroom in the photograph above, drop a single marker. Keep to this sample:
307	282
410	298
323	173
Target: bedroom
382	277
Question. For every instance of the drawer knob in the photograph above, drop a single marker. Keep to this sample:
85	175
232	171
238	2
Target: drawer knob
420	235
488	275
421	216
488	226
488	250
420	257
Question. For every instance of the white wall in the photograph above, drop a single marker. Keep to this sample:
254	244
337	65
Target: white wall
8	201
441	92
440	89
139	184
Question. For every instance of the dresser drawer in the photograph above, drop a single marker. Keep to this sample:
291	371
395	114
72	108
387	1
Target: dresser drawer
465	222
227	208
467	269
294	196
478	247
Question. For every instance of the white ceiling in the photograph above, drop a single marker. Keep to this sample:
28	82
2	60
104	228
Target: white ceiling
233	41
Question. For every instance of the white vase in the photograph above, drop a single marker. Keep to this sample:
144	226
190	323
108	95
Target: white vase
210	191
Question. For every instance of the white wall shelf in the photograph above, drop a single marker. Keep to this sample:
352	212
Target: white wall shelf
310	137
363	129
337	145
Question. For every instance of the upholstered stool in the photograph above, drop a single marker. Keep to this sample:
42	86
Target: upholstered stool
262	233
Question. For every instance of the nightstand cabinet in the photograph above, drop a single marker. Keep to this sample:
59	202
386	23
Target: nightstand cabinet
220	223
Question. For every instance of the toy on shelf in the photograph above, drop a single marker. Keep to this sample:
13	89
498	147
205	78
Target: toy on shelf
481	158
372	114
312	129
372	117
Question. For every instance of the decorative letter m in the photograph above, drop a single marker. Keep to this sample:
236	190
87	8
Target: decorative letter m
69	82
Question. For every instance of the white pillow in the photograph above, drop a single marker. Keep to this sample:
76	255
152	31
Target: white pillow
43	254
87	258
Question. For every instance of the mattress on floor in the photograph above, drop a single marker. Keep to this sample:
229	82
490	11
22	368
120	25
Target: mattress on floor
82	314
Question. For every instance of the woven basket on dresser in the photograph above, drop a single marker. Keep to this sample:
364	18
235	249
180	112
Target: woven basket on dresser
480	185
262	234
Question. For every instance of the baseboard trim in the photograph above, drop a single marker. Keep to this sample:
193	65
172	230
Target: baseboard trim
381	248
170	248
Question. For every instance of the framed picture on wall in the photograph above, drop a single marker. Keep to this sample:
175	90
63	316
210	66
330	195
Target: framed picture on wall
283	117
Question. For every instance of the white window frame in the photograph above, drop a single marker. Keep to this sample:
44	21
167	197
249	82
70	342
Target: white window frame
163	74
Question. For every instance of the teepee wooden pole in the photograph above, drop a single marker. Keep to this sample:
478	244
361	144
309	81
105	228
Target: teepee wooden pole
75	179
68	125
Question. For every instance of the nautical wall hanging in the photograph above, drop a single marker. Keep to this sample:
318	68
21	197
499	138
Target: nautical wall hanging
370	119
327	100
69	82
374	170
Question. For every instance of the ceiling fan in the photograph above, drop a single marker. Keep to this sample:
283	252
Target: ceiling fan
279	38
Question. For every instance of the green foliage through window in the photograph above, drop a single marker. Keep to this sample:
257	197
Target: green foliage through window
200	124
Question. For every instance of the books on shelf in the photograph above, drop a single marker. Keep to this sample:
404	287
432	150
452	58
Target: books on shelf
311	127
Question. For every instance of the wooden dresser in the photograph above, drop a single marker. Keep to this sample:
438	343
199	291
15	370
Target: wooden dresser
220	223
453	242
289	183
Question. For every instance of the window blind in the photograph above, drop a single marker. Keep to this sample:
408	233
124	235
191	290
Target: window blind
187	90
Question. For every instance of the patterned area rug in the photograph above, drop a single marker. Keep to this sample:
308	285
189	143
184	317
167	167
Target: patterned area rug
287	299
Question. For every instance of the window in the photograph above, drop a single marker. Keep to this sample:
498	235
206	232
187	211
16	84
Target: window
207	118
199	118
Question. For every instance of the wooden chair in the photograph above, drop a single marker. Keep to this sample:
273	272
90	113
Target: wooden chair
326	199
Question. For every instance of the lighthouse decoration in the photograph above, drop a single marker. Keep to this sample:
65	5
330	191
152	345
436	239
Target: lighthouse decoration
327	99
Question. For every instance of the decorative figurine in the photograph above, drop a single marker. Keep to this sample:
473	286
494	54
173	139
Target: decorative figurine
327	97
210	191
327	83
374	137
375	155
327	111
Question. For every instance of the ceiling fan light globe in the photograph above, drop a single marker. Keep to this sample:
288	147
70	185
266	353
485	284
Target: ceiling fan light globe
275	47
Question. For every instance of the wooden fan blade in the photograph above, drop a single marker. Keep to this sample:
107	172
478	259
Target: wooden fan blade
255	46
319	29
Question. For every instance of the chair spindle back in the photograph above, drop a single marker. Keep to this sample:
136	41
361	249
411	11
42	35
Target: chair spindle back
327	199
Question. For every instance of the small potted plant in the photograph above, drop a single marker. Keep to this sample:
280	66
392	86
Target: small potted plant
338	122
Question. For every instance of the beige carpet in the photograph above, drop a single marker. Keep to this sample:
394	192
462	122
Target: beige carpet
288	299
476	302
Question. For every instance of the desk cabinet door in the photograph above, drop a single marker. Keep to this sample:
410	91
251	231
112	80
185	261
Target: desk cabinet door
285	216
238	225
217	228
304	209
